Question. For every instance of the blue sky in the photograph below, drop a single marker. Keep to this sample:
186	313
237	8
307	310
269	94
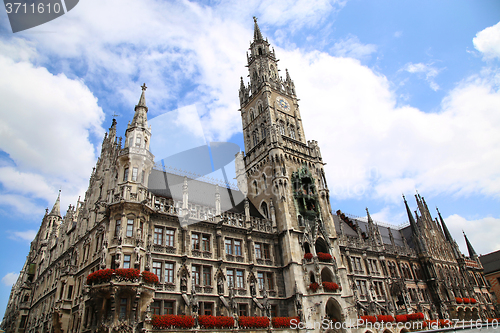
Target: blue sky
401	96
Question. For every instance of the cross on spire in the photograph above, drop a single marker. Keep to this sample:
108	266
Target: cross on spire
144	87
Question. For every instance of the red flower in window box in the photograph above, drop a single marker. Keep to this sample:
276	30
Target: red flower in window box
473	301
368	319
128	274
445	323
314	286
308	256
459	300
466	300
284	322
401	318
385	319
330	286
253	322
172	321
324	256
150	277
216	322
100	276
416	316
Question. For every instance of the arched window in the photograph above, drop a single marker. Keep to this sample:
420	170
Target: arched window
260	108
292	132
260	51
255	138
255	76
255	188
263	208
138	141
252	116
263	130
281	128
264	180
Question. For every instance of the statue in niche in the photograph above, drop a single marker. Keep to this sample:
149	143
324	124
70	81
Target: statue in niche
267	306
253	290
184	282
220	285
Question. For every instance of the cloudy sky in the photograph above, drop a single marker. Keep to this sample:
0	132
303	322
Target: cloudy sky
401	96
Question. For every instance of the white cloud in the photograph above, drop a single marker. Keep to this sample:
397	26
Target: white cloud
376	149
352	48
10	278
487	42
27	235
482	233
427	69
45	127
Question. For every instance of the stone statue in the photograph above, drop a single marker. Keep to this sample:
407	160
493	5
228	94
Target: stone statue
194	301
183	282
267	306
220	285
253	290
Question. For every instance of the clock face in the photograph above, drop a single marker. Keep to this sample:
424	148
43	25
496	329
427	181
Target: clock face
283	103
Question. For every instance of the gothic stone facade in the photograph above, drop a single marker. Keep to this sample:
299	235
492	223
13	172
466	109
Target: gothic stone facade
256	251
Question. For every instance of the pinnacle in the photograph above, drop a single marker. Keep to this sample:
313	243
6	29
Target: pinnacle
56	210
257	35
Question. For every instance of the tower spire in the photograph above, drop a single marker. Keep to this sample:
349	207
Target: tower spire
447	233
141	110
257	35
56	210
472	253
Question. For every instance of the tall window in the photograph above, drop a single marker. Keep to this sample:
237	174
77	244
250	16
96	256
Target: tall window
195	241
126	261
243	309
230	277
207	273
260	280
134	174
130	227
123	308
255	137
169	272
267	254
157	269
292	132
168	307
205	243
239	279
196	275
263	130
169	237
269	281
281	128
237	247
258	250
263	208
158	236
125	175
155	308
117	227
207	308
138	141
229	246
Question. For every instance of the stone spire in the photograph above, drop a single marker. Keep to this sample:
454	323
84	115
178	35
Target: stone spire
445	228
56	210
414	228
472	253
257	35
141	110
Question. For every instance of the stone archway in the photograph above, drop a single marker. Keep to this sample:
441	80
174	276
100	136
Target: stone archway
326	275
333	310
460	313
475	314
321	246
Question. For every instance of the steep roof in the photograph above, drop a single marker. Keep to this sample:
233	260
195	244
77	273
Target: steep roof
491	262
168	185
384	232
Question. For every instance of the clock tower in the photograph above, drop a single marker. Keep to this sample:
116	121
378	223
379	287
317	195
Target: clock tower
286	181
